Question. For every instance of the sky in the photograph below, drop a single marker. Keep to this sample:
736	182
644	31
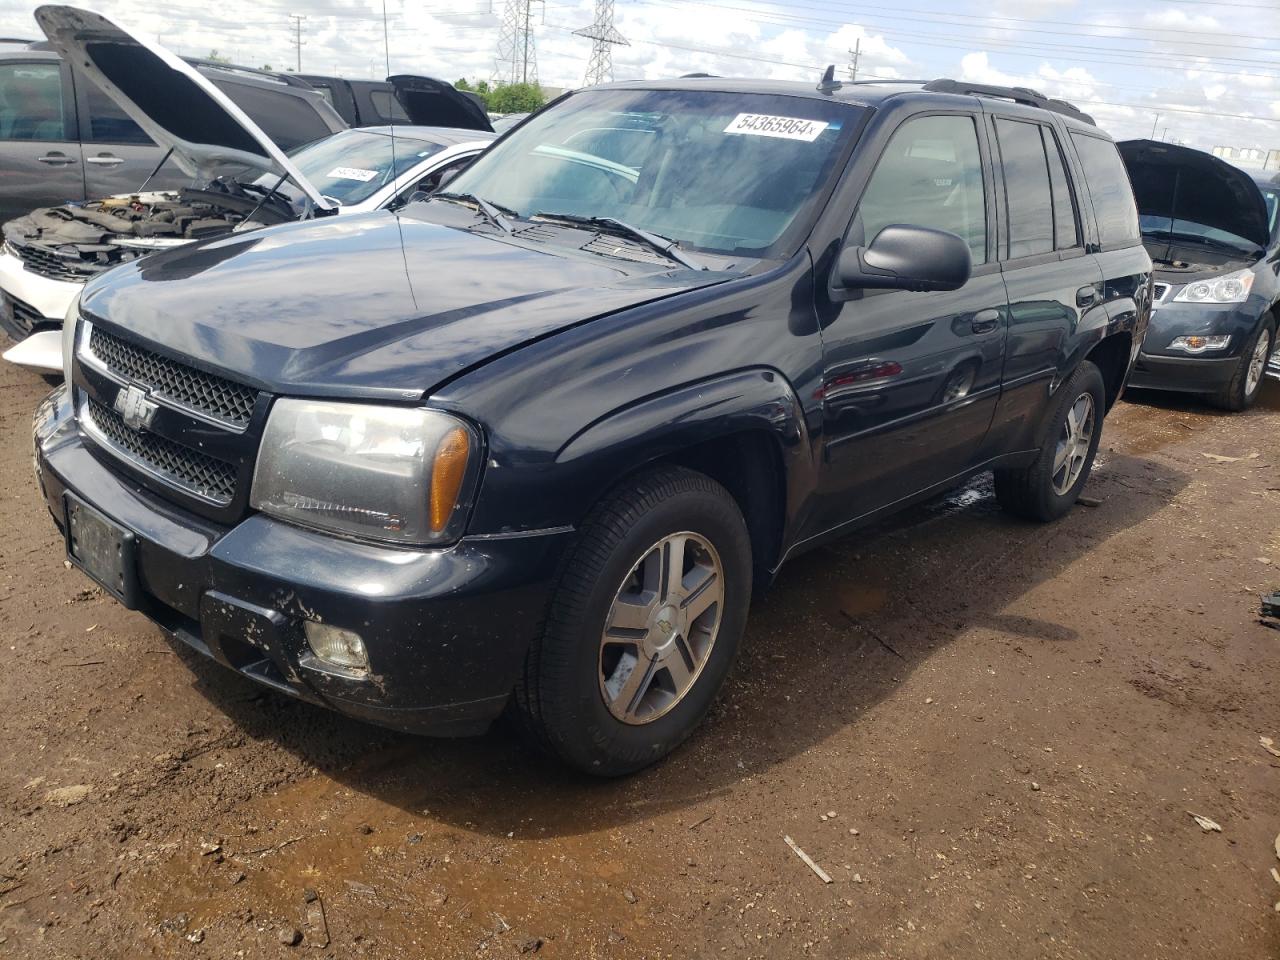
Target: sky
1191	71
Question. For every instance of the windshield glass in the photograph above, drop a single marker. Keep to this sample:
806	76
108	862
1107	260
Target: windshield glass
1190	230
353	165
727	173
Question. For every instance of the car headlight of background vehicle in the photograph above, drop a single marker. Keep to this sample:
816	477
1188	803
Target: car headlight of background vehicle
398	474
69	323
1231	288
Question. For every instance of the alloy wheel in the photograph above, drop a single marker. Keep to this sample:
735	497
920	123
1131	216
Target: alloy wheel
1073	444
661	627
1257	363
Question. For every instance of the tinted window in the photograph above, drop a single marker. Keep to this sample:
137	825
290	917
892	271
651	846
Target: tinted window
930	176
31	102
1112	194
388	106
1027	191
107	122
1066	229
288	120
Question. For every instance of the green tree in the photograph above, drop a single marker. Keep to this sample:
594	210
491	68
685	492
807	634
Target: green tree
480	88
516	98
217	57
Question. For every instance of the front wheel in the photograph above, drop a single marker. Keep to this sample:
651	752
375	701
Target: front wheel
643	627
1046	490
1246	383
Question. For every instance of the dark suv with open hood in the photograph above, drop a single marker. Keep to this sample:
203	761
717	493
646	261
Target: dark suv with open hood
534	441
1214	236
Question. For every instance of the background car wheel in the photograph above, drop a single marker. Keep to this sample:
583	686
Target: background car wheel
644	624
1046	490
1242	392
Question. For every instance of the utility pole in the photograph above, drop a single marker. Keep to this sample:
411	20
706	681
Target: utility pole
1153	126
603	36
297	19
854	56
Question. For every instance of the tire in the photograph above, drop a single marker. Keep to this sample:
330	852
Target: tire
1242	391
1033	492
577	681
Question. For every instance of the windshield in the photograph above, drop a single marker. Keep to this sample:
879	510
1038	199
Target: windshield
353	165
1190	230
727	173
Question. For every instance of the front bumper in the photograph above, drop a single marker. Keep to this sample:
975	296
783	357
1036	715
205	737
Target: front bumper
1183	374
47	299
446	629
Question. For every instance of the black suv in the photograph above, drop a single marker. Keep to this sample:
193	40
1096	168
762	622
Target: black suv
533	441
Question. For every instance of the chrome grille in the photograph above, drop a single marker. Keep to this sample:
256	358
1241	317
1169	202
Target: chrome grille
1161	291
193	471
201	392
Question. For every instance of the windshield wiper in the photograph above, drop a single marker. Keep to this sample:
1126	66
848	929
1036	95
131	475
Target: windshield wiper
491	211
663	245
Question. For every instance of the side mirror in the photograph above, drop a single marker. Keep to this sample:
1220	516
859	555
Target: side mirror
904	257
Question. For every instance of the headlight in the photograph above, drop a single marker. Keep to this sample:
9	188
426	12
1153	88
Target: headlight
1199	344
400	474
1232	288
69	322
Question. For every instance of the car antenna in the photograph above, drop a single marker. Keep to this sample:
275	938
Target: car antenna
829	83
391	112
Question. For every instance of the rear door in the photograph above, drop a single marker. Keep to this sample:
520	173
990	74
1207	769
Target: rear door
1054	283
911	379
118	155
40	160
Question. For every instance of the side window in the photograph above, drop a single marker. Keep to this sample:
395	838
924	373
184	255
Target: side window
1066	226
930	176
1026	185
388	106
288	120
107	122
1112	193
439	178
31	106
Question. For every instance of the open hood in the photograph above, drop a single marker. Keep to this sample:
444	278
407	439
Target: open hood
1172	182
434	103
174	103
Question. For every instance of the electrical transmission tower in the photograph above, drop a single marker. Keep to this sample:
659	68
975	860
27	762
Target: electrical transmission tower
298	42
517	60
604	37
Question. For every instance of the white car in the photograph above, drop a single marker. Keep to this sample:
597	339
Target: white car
49	254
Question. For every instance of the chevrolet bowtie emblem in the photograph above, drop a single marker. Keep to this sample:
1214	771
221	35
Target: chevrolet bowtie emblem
134	408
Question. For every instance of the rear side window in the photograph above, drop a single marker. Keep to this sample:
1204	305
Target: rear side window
31	105
388	106
107	122
1027	190
288	120
1112	193
1066	225
930	176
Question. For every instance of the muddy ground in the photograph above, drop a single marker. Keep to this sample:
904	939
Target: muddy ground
988	733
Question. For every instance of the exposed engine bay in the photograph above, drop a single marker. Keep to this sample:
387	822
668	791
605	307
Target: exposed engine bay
1184	262
77	241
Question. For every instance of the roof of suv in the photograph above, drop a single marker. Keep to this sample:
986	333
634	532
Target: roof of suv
861	93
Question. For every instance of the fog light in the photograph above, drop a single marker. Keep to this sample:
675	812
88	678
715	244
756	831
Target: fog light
1200	344
344	648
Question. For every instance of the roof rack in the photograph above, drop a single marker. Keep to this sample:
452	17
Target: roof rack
15	40
1023	95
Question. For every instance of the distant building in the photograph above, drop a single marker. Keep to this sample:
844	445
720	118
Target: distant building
1250	156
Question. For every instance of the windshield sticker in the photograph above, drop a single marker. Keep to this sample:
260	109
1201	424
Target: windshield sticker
352	173
785	128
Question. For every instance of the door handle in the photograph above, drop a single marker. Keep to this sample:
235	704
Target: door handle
1087	296
105	160
56	159
984	321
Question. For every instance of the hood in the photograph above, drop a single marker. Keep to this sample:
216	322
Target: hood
175	104
434	103
1172	182
334	308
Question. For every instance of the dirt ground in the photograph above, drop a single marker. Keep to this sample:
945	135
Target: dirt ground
990	734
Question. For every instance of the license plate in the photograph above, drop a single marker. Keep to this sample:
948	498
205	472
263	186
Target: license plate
103	549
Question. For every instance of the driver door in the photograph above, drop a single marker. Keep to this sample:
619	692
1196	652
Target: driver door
911	380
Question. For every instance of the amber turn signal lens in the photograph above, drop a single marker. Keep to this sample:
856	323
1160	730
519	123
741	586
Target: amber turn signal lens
448	470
